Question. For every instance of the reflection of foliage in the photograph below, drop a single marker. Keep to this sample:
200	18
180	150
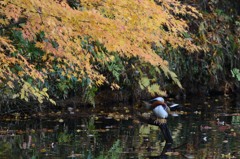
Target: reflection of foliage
113	153
235	120
91	127
144	130
5	148
64	137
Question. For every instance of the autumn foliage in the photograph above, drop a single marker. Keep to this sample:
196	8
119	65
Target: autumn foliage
49	45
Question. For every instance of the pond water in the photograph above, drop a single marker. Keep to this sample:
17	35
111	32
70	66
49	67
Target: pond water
207	128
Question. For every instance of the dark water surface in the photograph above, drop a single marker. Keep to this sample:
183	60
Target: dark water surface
207	128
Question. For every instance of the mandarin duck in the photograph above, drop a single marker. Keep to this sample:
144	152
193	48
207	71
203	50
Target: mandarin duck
160	109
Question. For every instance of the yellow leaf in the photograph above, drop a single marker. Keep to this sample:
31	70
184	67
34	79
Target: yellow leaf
10	84
52	101
44	89
69	76
20	73
22	96
63	73
40	100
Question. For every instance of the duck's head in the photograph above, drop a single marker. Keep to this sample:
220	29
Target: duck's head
151	104
160	99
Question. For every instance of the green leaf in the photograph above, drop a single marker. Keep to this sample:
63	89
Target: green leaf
155	89
145	81
236	73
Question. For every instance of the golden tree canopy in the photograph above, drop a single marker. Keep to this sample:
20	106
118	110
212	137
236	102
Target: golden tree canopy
129	28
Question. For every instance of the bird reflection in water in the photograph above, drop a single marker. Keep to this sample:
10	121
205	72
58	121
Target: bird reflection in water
167	148
158	113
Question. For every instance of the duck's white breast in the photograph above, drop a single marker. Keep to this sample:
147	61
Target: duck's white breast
160	112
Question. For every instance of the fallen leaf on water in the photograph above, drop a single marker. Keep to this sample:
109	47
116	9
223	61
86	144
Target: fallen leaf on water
83	126
205	127
43	150
58	113
136	121
172	153
73	155
235	114
60	120
90	135
189	156
198	112
130	126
